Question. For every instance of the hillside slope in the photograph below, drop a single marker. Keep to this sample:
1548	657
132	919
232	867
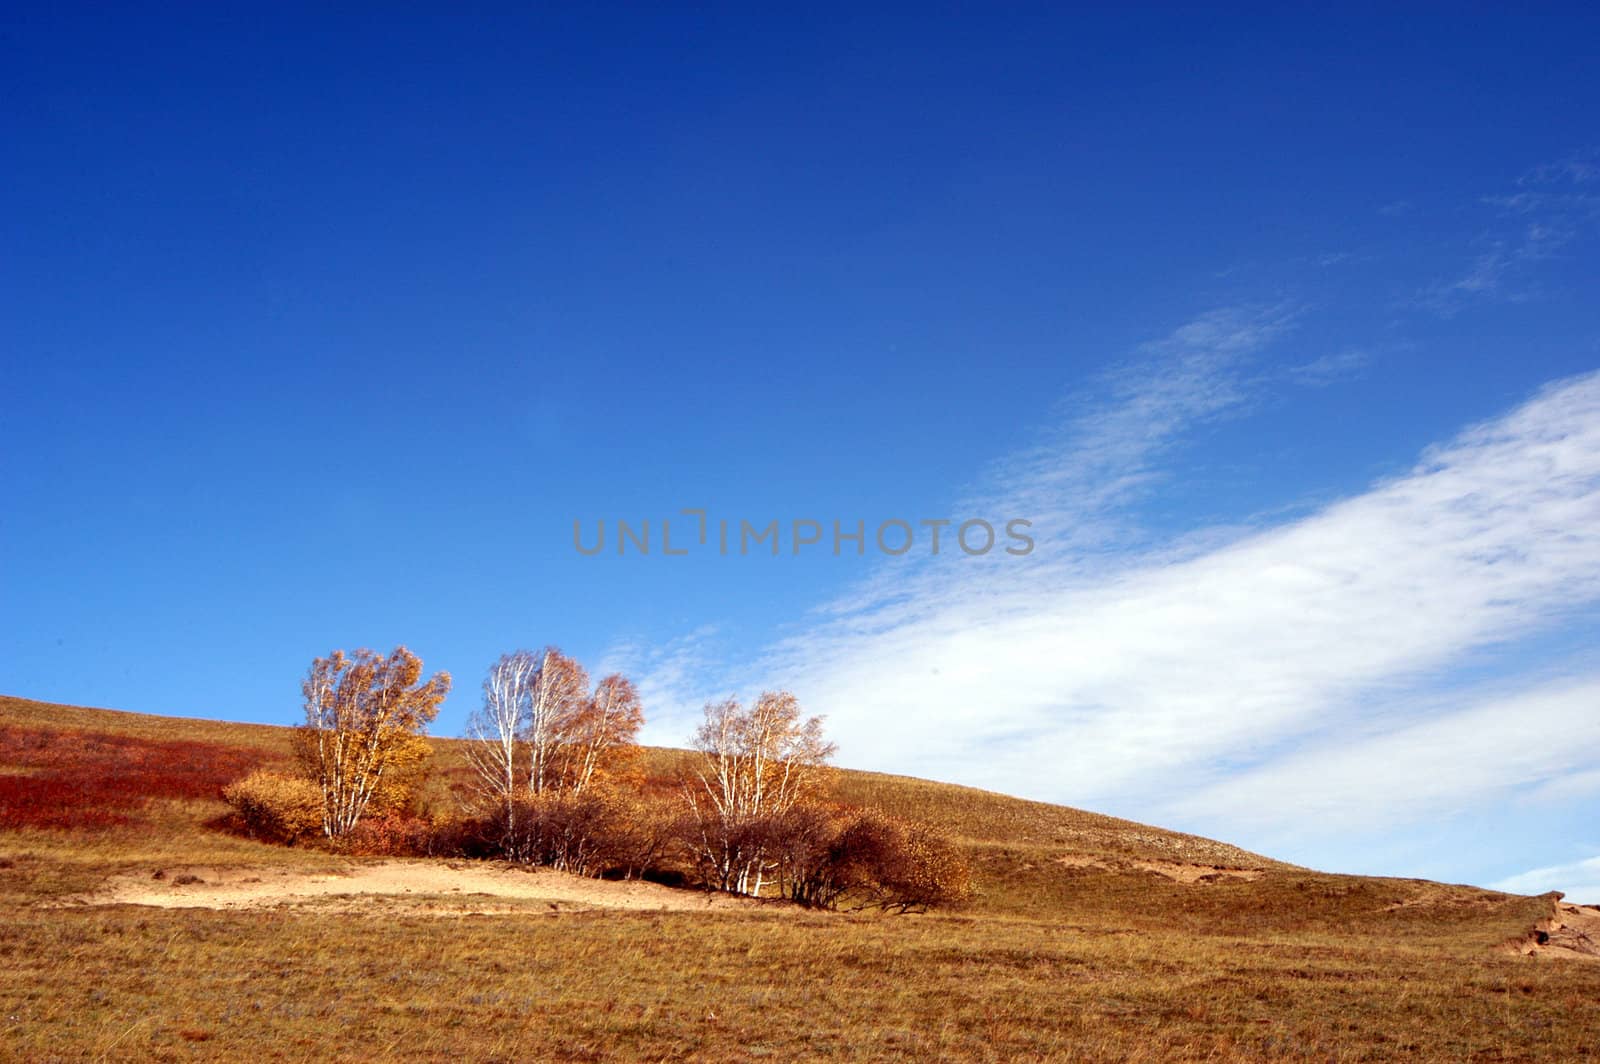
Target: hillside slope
1030	859
1088	937
978	818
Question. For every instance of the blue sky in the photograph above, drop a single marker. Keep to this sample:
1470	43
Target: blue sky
321	331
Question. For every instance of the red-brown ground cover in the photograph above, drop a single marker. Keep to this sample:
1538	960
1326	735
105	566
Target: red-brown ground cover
85	780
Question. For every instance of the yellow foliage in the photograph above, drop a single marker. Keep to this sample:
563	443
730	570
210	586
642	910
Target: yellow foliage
277	807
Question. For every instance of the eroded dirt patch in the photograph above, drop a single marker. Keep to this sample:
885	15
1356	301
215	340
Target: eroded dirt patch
1571	932
1177	871
443	888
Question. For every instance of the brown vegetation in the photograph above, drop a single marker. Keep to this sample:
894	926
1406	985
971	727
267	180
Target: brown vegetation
276	807
827	856
75	779
1093	958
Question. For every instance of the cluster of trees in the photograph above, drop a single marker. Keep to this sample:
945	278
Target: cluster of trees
555	778
756	766
547	752
759	818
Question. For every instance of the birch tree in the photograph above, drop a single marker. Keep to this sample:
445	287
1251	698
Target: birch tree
495	730
603	732
365	719
558	687
538	732
540	745
755	765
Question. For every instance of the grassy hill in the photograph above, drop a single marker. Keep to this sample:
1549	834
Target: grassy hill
1088	937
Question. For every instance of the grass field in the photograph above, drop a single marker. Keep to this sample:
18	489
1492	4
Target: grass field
1088	938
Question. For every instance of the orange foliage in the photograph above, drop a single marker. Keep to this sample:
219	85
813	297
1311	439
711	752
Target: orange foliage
276	807
540	732
365	716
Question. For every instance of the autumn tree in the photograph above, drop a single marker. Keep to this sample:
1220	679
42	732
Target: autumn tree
755	765
495	729
557	689
540	744
366	715
601	736
540	731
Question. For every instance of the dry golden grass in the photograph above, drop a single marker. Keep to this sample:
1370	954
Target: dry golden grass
1081	944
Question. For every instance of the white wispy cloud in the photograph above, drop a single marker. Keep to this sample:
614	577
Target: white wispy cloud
1534	745
1579	169
1330	368
1240	677
1579	881
1078	477
674	679
1506	258
1157	671
1136	679
1552	206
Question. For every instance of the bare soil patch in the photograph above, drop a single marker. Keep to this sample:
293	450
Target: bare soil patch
1177	871
443	888
1572	932
1195	873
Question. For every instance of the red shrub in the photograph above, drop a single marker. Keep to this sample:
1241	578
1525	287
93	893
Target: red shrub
94	780
394	834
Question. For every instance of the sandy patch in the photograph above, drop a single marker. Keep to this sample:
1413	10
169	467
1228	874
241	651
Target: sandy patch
1572	932
1079	860
1177	871
443	888
1195	873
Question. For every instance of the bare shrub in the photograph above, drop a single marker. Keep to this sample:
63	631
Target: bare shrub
826	856
275	807
806	844
393	833
903	865
601	831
